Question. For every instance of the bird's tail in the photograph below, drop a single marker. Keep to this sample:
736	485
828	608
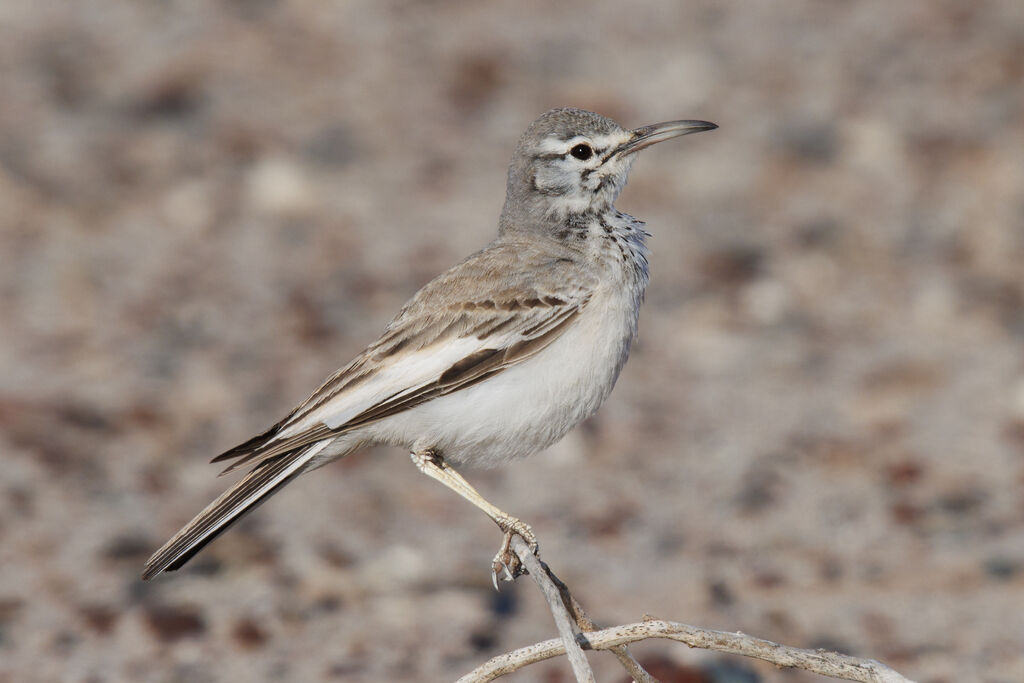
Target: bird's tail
262	482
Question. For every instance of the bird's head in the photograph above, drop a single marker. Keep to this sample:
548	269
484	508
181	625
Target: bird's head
570	161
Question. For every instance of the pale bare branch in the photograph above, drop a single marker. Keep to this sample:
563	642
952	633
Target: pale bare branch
586	625
822	662
580	667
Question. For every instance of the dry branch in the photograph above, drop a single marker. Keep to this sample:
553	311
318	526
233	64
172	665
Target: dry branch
821	662
565	610
538	572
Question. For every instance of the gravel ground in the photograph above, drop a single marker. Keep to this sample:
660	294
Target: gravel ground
207	207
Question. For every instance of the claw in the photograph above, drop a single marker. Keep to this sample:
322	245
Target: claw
506	562
498	566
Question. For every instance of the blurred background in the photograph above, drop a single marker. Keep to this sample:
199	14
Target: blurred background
205	208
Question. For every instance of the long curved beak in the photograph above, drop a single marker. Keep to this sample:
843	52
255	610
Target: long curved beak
648	135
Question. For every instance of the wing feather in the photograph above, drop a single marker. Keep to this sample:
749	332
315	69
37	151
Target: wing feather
464	327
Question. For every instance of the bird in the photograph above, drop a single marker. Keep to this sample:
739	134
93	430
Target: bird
496	358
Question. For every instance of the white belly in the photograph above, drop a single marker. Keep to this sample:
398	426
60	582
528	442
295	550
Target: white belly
529	406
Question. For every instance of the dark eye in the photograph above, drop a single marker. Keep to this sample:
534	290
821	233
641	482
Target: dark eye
581	152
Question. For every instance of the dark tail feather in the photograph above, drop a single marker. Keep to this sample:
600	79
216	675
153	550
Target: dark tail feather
270	445
263	482
254	444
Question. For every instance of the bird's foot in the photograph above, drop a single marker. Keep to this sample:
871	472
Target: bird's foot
506	563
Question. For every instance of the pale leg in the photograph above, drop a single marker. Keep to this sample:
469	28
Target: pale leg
506	562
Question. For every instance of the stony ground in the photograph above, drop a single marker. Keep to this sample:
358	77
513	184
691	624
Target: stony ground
819	438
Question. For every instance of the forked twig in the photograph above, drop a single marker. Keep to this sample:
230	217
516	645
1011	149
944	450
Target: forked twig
540	574
586	625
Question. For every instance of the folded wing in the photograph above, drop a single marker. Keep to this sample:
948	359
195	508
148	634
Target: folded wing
441	342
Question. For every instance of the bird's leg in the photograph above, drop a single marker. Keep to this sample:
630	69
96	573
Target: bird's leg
505	562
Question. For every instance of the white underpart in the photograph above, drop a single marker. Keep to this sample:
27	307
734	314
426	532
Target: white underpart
530	405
